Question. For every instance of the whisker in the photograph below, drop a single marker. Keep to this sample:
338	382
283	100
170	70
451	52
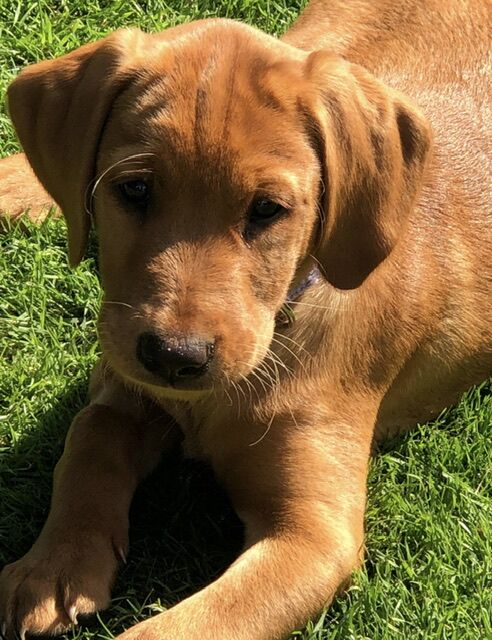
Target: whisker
265	388
277	338
231	384
96	182
251	387
123	304
254	373
293	418
301	363
276	364
272	371
237	388
130	171
262	437
278	360
228	397
294	342
265	364
312	305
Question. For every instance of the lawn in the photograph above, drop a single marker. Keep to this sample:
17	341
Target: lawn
428	572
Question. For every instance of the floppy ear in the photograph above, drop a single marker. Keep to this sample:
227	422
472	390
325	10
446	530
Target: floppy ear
373	146
59	108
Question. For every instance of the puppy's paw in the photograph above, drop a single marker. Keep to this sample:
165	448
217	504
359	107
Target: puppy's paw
55	582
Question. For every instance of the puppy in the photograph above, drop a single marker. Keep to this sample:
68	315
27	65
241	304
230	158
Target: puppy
296	254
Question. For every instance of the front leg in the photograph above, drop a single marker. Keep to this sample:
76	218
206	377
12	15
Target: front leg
301	493
71	567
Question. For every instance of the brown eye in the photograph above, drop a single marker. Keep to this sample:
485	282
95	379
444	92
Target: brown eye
264	210
135	191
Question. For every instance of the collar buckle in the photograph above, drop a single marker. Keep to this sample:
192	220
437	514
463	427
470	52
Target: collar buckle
286	316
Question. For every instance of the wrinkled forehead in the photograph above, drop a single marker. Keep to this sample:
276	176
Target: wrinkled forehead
218	93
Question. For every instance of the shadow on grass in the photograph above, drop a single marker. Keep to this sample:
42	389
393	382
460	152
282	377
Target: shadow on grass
183	531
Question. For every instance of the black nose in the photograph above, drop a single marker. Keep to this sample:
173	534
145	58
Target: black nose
174	358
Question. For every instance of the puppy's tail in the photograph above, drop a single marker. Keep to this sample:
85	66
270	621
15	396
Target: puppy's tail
20	191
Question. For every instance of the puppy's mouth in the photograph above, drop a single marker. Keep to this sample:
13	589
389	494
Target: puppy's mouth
170	363
169	386
168	366
168	391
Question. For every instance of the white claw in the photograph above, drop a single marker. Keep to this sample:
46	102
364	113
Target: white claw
122	555
22	634
72	614
3	631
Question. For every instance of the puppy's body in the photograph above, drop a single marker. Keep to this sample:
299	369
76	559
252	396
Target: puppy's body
440	55
437	284
399	324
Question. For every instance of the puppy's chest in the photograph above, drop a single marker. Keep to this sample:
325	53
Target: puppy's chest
196	426
193	446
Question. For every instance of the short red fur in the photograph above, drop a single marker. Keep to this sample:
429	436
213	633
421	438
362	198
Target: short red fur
367	124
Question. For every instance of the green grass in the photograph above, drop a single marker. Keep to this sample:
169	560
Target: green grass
429	560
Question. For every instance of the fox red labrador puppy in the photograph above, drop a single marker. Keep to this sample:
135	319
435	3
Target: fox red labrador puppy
296	254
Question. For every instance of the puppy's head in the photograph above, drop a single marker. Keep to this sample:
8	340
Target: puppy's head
215	162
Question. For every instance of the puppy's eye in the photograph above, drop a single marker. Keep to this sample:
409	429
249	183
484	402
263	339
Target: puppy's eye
135	191
264	210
